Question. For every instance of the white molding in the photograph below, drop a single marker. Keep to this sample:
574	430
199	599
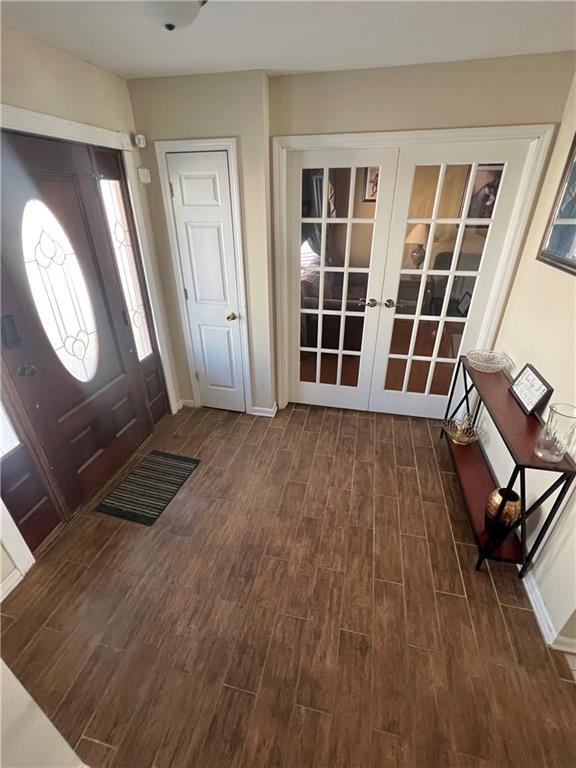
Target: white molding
564	644
152	277
540	611
9	583
256	410
18	119
13	542
228	145
184	404
541	137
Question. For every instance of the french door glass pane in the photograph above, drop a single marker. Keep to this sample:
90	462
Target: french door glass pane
443	246
418	375
350	370
309	289
395	373
126	263
335	245
425	338
461	296
361	245
415	246
423	191
408	291
450	341
453	191
328	368
338	193
353	334
330	331
308	329
485	191
472	248
441	378
365	193
310	245
333	286
434	295
357	289
308	366
312	192
401	335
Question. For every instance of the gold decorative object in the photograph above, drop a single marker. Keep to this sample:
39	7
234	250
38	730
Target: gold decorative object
463	431
512	508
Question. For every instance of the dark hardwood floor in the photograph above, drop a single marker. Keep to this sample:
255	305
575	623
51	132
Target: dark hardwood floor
307	600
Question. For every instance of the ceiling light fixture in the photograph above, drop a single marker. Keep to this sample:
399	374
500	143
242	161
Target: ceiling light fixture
172	15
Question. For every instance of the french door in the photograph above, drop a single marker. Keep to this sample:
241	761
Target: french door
394	258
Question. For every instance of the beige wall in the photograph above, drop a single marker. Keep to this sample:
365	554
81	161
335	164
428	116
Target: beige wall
211	106
539	326
506	91
39	77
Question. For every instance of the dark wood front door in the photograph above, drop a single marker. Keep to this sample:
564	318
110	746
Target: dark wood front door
66	343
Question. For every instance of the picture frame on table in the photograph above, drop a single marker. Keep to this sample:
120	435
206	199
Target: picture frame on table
558	247
531	389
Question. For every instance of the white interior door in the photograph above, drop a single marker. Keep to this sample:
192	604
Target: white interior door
453	207
338	226
201	203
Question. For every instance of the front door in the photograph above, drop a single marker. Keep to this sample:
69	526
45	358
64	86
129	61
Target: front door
65	341
393	266
202	208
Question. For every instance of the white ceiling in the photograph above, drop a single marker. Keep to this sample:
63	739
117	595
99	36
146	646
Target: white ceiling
280	36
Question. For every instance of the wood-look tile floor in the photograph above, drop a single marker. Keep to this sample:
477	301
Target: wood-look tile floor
308	600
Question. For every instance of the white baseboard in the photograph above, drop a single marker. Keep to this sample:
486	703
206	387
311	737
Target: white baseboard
565	644
9	582
545	623
257	411
184	404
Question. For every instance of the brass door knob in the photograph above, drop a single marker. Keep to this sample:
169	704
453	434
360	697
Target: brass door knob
232	316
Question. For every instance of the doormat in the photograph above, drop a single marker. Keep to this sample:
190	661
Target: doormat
146	492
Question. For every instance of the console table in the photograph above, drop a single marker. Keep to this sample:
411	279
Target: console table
519	433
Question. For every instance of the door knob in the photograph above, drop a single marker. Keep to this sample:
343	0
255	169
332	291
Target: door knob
231	316
367	302
391	303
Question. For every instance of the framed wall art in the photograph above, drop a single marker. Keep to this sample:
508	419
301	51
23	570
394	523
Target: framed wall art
558	246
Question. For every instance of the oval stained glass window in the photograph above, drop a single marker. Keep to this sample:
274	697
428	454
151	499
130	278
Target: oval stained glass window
59	291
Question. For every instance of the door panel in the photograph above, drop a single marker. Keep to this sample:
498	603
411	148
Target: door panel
452	208
338	232
87	424
203	217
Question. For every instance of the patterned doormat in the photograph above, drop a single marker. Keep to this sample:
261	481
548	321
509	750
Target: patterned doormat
146	492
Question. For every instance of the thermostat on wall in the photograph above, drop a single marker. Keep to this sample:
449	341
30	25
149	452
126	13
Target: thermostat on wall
140	140
144	175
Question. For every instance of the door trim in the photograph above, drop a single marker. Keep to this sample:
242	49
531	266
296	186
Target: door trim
25	120
541	138
17	550
208	145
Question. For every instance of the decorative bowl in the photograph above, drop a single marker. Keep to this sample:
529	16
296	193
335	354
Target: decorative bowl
462	431
488	362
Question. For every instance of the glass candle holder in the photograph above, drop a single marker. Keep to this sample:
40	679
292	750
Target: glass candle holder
557	435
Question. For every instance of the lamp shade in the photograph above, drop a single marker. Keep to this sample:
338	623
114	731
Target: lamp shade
418	235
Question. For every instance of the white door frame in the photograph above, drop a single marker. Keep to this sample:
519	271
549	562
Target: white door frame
17	550
541	138
18	119
208	145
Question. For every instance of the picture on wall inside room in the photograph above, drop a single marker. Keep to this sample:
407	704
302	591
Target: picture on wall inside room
485	191
558	246
370	185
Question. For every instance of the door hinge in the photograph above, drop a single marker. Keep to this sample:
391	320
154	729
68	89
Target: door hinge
186	294
171	189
